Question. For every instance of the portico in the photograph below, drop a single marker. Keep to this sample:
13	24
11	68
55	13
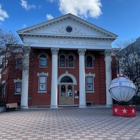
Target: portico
71	48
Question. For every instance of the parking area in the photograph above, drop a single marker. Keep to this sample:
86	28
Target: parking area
68	124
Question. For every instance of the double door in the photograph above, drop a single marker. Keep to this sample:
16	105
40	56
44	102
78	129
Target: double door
66	95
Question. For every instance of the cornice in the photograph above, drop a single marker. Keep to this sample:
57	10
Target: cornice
65	36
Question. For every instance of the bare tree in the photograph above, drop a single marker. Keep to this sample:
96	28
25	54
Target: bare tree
10	49
124	43
128	60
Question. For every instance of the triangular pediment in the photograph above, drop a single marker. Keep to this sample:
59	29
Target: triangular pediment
67	25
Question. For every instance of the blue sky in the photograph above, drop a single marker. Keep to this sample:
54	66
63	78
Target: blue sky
118	16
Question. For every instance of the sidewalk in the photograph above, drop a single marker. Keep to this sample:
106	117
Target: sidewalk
68	124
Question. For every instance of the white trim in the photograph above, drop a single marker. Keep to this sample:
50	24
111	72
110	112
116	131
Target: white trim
90	75
40	75
74	57
64	17
73	62
93	58
43	53
71	54
45	91
47	57
65	59
17	80
90	54
66	74
62	53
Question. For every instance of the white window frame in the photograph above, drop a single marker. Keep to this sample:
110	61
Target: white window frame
39	55
43	61
93	58
62	53
42	75
74	57
60	61
69	63
17	81
89	75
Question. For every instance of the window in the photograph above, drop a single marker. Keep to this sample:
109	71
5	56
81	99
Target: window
18	87
66	79
19	63
69	29
43	61
89	62
42	83
71	61
62	61
89	81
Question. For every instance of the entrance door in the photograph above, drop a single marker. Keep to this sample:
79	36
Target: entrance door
66	94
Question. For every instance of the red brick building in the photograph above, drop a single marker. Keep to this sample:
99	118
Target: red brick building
70	64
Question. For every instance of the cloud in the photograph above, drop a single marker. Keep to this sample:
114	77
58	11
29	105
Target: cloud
49	16
24	25
25	5
82	8
3	14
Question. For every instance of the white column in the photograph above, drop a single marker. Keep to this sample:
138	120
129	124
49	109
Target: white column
108	76
82	94
54	93
25	77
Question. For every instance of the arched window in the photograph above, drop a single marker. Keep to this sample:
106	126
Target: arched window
71	61
89	61
62	61
66	79
42	60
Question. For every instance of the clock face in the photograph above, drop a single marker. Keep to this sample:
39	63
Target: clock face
69	29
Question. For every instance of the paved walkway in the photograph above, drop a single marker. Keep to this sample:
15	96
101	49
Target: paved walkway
68	124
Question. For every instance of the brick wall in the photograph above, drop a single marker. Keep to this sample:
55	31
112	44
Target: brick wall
98	97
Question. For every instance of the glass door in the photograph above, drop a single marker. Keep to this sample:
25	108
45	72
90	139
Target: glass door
66	95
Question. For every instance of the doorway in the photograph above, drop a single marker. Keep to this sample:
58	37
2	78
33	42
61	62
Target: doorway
66	94
66	91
